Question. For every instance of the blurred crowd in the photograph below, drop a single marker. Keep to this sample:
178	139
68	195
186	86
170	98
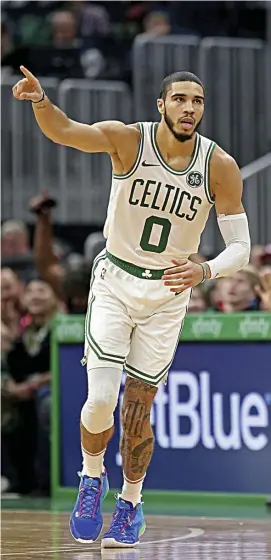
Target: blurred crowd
46	277
76	39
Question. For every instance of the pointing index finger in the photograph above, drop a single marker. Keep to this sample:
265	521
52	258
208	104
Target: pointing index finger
28	74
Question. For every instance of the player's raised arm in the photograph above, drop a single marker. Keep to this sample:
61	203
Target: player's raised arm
227	188
98	137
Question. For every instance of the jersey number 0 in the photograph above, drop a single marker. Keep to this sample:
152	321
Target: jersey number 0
146	234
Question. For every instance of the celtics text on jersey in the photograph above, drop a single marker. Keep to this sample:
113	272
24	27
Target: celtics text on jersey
155	212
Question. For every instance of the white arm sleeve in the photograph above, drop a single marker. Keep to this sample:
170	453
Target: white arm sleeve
235	232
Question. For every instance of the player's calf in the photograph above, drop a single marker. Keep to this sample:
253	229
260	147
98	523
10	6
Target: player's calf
137	441
136	448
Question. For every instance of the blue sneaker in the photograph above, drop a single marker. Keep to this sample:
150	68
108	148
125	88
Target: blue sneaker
86	520
128	524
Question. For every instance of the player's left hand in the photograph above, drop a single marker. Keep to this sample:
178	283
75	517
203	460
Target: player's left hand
185	274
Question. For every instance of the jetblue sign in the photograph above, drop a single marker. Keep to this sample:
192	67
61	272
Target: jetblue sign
211	421
203	412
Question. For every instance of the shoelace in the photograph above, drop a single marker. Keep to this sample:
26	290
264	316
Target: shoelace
88	499
121	518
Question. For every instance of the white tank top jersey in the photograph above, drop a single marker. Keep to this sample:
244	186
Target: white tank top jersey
156	213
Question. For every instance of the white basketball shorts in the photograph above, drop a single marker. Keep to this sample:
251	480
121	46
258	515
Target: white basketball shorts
133	321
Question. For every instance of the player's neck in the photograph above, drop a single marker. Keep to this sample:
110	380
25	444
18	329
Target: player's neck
169	146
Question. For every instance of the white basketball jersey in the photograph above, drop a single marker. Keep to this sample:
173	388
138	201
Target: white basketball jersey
156	213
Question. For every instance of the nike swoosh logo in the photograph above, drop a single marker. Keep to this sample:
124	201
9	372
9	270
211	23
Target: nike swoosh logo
144	164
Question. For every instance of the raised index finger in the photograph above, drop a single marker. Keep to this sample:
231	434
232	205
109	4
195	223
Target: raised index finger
28	74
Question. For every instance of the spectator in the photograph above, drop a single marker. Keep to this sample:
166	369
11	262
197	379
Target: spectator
15	247
47	262
64	29
26	394
6	340
94	244
157	24
218	294
243	292
260	256
70	283
11	305
76	289
6	40
66	33
263	290
197	302
14	238
256	255
92	19
266	256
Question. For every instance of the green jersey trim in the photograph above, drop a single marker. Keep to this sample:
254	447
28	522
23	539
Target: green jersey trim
154	379
138	158
207	185
106	356
162	161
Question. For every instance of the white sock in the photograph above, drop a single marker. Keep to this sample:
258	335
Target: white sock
131	491
93	463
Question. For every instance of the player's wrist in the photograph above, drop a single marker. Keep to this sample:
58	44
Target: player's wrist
41	99
206	272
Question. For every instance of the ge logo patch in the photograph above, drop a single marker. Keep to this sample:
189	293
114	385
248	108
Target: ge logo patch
194	179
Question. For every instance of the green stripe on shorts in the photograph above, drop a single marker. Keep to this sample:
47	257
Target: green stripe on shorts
104	356
154	379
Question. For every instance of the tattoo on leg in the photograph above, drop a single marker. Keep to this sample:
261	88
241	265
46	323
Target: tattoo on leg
136	460
134	418
137	442
141	456
125	449
135	385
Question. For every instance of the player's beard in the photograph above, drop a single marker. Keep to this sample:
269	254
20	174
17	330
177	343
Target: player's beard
180	137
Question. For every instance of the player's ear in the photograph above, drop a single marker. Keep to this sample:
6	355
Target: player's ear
161	106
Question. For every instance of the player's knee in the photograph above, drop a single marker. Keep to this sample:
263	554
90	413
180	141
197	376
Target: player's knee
101	403
97	412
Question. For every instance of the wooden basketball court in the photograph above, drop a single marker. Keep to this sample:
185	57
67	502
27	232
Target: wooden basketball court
44	535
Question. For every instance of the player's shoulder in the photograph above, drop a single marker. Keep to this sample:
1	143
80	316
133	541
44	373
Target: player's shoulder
223	167
135	129
119	127
125	137
221	162
141	127
132	131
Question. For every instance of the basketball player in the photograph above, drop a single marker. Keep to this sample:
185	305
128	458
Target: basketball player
166	178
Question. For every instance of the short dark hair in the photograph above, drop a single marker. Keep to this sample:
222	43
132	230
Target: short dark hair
178	77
